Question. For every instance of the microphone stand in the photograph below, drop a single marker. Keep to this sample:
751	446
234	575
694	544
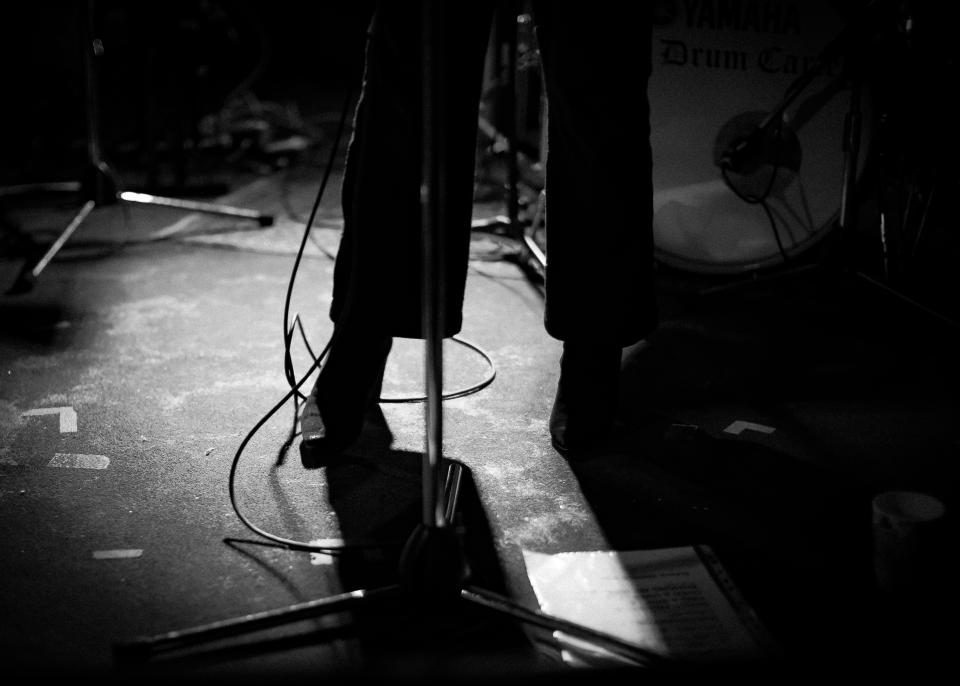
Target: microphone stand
740	152
531	258
98	184
433	569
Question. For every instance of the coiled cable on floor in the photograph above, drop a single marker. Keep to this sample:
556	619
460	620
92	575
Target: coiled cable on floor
316	361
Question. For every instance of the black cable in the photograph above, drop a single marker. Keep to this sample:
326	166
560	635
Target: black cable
287	330
295	384
469	390
762	198
761	201
289	372
293	215
792	90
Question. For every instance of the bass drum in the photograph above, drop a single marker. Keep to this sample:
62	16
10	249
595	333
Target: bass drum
719	68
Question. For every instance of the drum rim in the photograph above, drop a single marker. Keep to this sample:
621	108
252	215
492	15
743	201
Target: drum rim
774	257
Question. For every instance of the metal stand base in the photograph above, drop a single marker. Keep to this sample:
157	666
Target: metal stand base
531	258
433	576
98	186
98	189
433	569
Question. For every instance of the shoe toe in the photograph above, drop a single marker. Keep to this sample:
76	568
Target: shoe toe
312	428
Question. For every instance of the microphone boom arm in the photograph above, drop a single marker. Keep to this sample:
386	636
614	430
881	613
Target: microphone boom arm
741	150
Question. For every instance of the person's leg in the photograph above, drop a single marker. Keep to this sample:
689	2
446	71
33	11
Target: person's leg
378	272
599	281
377	291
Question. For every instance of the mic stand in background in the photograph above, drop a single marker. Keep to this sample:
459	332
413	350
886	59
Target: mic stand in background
98	185
434	573
531	258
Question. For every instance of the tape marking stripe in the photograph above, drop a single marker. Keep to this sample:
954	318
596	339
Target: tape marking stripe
76	461
320	559
68	417
739	426
120	554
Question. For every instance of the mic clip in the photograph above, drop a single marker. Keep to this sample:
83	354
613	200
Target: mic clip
745	154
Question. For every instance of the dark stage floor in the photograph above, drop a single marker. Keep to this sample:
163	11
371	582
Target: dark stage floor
760	420
147	351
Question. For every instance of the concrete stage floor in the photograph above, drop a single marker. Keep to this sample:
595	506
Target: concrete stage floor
759	421
145	354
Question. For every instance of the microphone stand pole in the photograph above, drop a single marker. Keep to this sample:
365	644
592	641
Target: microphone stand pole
433	570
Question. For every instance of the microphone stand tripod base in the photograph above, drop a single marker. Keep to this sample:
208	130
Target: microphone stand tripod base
433	591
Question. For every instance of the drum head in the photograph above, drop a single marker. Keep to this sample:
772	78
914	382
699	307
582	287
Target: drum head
719	69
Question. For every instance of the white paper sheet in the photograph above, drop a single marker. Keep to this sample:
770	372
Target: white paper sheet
665	600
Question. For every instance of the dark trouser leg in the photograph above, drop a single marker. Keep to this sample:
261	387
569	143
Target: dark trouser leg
596	62
599	282
377	289
377	280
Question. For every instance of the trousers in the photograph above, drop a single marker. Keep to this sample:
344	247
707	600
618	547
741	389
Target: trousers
595	62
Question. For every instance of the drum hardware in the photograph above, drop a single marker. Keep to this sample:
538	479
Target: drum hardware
705	87
99	185
767	143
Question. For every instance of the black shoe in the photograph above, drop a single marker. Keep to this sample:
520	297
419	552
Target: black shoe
586	403
348	383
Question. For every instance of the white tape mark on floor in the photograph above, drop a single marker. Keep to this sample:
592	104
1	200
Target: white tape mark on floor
739	426
68	417
76	461
322	558
121	554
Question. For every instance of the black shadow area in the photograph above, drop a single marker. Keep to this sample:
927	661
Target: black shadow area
422	632
795	537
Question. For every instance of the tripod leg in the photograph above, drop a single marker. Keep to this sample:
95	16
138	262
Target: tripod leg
51	187
67	232
140	649
539	219
193	206
27	277
613	644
